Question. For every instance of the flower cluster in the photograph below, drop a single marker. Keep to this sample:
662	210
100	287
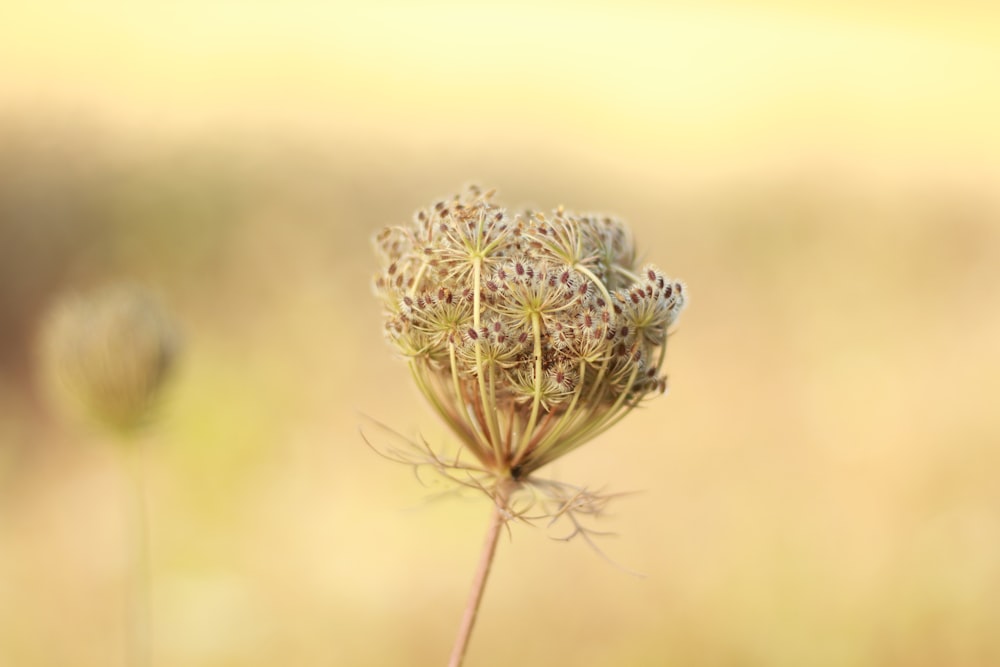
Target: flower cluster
529	333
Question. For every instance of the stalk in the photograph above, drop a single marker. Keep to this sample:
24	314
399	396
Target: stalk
478	582
138	620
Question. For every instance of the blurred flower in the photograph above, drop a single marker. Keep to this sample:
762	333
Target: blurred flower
530	334
111	350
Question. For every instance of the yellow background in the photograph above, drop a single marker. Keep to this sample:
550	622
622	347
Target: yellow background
820	485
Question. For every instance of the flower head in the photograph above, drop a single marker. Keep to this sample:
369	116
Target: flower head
112	350
530	334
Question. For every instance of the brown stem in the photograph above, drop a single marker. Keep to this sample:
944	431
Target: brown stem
478	582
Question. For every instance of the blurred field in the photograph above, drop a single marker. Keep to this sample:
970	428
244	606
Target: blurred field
819	487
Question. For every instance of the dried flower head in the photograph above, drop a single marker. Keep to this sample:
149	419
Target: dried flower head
530	334
112	350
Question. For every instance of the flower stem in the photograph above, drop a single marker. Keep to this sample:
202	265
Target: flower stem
478	582
138	625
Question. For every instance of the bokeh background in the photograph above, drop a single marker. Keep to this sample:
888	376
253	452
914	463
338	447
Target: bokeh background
819	487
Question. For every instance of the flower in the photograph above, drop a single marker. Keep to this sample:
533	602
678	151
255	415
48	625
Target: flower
112	350
530	334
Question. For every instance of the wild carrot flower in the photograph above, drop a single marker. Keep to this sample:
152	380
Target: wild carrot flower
530	334
112	351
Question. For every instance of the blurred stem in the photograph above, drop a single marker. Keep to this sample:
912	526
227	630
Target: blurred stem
479	580
137	621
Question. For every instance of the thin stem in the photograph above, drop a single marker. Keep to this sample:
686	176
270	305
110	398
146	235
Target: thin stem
494	415
592	429
489	408
536	327
611	311
628	274
454	421
138	624
478	582
565	420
